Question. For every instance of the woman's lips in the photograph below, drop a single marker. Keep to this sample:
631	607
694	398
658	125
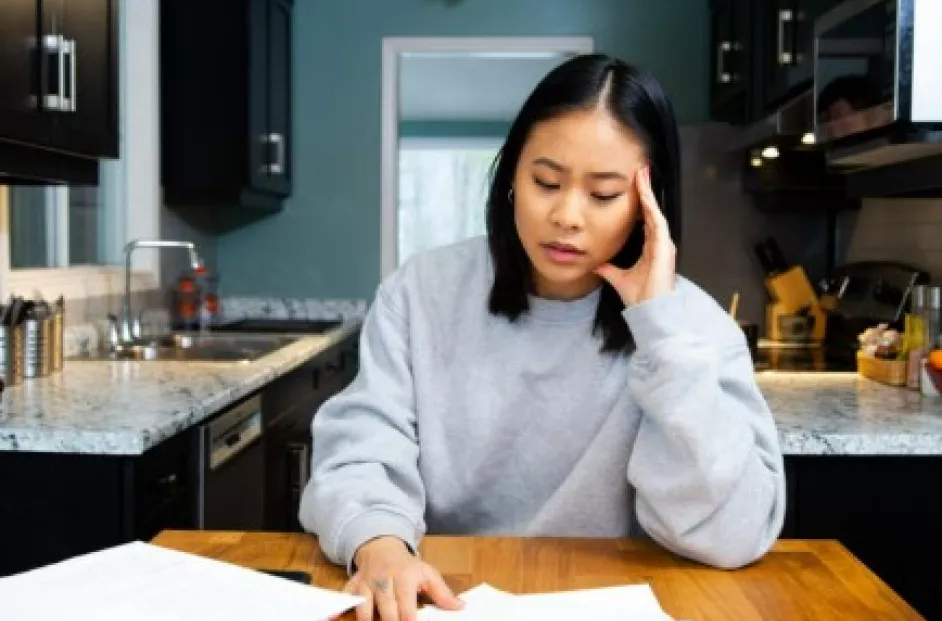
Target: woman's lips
562	253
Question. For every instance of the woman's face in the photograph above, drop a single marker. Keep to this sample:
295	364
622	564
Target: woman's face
575	200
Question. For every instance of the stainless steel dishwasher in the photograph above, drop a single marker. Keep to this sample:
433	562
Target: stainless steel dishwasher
232	469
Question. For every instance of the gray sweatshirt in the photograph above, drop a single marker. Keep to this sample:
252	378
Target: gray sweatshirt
462	422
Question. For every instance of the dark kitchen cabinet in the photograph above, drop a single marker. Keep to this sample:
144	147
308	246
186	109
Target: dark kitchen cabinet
60	82
226	104
787	46
732	55
290	404
21	116
60	505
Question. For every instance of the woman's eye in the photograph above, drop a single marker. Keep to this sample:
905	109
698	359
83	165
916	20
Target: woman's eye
606	197
546	185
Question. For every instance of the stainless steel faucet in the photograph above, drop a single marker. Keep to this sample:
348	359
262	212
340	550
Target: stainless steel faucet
128	332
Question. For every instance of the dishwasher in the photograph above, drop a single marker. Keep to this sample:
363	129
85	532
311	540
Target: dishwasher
231	492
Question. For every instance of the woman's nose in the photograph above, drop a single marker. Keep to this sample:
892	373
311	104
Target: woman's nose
567	213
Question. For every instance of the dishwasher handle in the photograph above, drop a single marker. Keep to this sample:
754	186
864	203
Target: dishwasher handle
229	443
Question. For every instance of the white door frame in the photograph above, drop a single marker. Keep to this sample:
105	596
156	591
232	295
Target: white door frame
393	48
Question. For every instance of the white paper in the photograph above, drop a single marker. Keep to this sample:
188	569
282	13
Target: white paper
146	582
485	603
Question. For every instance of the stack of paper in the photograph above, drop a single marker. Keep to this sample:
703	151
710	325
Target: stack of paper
144	582
485	603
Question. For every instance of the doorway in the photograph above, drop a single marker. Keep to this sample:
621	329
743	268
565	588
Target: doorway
447	104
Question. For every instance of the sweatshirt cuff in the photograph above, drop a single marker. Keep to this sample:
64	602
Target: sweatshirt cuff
376	523
657	319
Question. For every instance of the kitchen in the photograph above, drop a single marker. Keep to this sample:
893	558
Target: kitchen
290	223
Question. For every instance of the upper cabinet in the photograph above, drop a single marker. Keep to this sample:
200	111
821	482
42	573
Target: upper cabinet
762	53
787	50
732	60
226	104
59	93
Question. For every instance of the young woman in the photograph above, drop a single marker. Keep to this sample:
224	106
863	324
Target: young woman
556	377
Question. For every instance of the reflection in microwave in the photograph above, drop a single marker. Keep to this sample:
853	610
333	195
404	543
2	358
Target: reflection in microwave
850	104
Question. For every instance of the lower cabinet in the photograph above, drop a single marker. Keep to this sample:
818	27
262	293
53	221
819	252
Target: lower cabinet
289	405
59	505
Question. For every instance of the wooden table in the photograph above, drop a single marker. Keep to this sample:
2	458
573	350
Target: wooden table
796	580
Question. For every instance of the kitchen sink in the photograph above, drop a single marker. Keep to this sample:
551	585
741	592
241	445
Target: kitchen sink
196	347
282	326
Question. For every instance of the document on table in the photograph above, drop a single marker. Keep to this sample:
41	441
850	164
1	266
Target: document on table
145	582
485	603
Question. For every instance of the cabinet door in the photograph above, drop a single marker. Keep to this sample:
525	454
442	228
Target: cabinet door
20	61
88	120
269	96
731	61
279	94
260	141
788	46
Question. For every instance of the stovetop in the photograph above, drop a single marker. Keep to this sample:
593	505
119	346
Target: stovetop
798	357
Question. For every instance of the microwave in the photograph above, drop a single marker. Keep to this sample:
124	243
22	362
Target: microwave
878	81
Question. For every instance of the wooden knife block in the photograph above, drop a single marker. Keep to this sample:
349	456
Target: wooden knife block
792	293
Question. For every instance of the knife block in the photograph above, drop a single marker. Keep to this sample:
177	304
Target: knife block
792	294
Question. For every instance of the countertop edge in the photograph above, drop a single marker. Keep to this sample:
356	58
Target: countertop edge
128	442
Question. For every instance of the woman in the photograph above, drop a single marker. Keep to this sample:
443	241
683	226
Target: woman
556	378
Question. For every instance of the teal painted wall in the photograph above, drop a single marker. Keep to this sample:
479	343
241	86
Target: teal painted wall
326	241
453	129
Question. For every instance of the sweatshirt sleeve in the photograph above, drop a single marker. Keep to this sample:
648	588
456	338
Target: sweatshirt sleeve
365	479
706	466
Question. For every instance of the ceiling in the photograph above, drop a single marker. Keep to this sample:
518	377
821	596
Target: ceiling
469	86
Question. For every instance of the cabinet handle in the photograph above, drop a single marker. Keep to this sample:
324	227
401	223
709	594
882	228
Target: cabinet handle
276	167
70	47
784	57
54	44
723	76
301	454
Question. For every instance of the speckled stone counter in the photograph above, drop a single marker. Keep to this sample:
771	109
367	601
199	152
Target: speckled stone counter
124	408
844	414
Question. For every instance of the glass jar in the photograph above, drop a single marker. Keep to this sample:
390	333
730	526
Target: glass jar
914	335
931	319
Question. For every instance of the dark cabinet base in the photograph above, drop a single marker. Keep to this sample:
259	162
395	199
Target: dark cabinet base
59	505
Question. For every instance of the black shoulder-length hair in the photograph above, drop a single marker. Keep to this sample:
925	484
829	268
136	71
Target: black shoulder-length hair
635	98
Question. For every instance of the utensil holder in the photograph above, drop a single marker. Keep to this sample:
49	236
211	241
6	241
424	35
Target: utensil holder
11	355
37	337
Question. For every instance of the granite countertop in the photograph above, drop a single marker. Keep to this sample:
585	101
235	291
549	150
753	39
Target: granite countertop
124	408
845	414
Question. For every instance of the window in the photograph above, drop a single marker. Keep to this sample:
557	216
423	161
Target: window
58	226
443	185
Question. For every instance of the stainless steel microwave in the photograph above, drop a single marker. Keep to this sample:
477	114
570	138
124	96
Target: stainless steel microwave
878	81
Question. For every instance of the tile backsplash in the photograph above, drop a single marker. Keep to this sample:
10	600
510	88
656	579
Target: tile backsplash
906	230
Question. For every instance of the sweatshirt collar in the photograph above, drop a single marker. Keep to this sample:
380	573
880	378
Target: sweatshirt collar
565	311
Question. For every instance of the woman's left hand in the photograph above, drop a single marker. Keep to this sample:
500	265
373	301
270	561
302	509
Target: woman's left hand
654	273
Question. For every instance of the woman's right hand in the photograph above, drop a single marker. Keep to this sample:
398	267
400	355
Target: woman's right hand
389	578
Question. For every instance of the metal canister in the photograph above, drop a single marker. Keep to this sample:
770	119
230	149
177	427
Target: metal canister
37	337
11	354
